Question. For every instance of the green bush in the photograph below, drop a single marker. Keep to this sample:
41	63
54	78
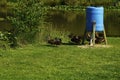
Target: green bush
7	39
28	15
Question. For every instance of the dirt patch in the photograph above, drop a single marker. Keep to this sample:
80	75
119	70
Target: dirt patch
95	46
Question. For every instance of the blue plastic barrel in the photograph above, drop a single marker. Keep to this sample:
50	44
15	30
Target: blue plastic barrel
94	14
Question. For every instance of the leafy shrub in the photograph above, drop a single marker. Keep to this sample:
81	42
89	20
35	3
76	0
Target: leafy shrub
7	39
28	15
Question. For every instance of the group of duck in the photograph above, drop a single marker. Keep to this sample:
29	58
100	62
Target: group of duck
74	39
99	38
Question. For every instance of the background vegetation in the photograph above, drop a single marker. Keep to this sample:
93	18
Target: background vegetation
81	2
26	18
78	2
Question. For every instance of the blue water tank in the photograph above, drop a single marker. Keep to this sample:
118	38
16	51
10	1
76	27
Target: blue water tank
94	14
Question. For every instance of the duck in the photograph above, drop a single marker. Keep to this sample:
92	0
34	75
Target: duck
99	38
75	38
55	41
88	36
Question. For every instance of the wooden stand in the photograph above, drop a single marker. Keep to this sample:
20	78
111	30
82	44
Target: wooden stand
93	34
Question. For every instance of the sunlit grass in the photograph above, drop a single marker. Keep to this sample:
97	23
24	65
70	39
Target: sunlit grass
65	62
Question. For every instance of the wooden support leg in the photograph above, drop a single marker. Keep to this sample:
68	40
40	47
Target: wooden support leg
105	36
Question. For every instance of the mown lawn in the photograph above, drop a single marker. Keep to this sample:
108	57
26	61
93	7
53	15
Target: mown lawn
65	62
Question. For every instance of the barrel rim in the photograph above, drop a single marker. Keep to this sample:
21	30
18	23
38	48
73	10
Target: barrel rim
95	7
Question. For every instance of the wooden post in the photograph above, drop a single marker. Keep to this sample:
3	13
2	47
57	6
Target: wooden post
94	27
92	40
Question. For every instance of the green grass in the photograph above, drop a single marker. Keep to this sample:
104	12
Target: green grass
65	62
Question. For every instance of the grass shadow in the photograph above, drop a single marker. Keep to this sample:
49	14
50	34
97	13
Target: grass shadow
69	43
48	45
